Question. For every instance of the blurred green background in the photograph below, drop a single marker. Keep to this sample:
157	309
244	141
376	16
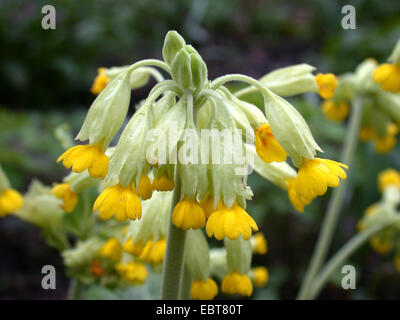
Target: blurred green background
45	76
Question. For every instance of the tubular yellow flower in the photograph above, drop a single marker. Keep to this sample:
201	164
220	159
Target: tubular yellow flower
112	249
204	290
388	76
236	283
133	248
316	175
230	223
188	214
132	272
387	178
86	157
380	245
207	204
10	201
100	81
367	134
154	251
297	202
266	145
163	183
260	276
121	202
327	84
397	262
64	192
145	188
259	243
335	111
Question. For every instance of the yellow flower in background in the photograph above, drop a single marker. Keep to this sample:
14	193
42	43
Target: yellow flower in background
188	214
86	157
370	211
100	81
145	188
385	144
316	175
10	201
64	192
388	76
335	111
367	134
204	290
380	245
297	202
163	183
112	249
118	201
132	272
236	283
260	276
267	147
327	84
387	178
154	251
260	244
133	248
397	262
230	222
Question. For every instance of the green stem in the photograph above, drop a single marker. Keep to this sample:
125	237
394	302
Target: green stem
186	285
74	290
334	206
150	62
174	255
344	253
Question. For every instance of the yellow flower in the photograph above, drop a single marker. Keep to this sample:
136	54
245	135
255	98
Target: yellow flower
207	204
260	276
397	262
316	175
380	245
236	283
133	248
335	111
367	134
204	290
100	81
121	202
297	202
163	183
112	249
260	245
230	223
387	178
86	157
154	251
145	188
388	76
132	272
188	214
385	144
10	201
266	145
64	192
327	84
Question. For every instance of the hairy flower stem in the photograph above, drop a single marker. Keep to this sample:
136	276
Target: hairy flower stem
344	253
174	255
184	293
334	206
74	290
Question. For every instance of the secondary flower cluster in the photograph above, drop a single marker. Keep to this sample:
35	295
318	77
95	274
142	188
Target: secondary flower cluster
376	88
385	241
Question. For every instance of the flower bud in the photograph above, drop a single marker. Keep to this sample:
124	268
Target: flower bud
83	253
197	255
199	70
172	44
181	69
239	254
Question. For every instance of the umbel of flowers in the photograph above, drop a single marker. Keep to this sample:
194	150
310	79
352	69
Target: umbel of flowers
377	87
213	195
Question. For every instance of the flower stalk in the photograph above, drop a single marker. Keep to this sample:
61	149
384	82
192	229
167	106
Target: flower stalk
334	206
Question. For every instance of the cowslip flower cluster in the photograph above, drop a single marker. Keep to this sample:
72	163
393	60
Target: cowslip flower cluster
10	199
384	242
375	87
160	143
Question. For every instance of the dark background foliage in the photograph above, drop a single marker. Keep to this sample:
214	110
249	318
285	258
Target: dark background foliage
45	76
